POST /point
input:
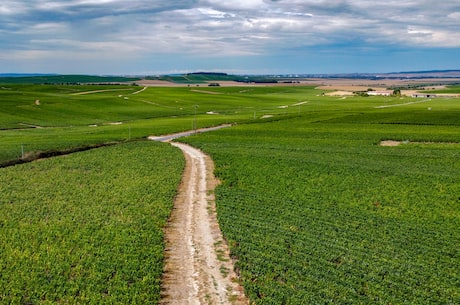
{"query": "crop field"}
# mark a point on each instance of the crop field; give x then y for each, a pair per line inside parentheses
(314, 209)
(47, 117)
(316, 212)
(448, 89)
(87, 228)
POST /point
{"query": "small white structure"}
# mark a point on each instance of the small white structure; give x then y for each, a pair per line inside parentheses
(380, 93)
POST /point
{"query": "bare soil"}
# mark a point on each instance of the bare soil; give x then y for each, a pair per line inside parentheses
(198, 268)
(390, 143)
(397, 143)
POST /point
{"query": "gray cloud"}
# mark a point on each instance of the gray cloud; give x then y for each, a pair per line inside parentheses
(45, 28)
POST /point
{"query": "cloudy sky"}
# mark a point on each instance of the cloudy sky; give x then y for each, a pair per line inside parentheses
(234, 36)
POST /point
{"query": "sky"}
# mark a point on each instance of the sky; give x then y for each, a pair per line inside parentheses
(151, 37)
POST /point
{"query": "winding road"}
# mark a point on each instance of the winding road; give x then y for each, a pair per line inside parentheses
(198, 268)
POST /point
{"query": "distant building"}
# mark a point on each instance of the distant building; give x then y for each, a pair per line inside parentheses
(424, 95)
(381, 93)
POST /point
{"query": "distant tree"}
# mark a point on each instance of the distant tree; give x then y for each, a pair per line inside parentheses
(397, 92)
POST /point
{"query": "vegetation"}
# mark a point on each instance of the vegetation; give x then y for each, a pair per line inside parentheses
(205, 77)
(65, 79)
(314, 209)
(45, 117)
(87, 228)
(317, 212)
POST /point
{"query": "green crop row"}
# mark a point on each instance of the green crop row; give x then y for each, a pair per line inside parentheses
(87, 228)
(316, 212)
(46, 117)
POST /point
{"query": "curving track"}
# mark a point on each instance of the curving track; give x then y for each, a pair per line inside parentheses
(198, 268)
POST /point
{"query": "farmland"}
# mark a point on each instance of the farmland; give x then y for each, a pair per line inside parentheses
(314, 209)
(46, 117)
(87, 228)
(317, 212)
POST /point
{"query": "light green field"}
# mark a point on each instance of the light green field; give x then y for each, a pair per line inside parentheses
(63, 118)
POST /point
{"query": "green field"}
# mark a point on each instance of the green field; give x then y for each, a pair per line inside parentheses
(63, 117)
(87, 228)
(315, 211)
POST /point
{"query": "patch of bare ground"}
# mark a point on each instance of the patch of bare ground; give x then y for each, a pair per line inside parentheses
(392, 143)
(198, 268)
(340, 93)
(348, 88)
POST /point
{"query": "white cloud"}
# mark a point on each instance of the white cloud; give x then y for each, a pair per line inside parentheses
(48, 27)
(221, 28)
(237, 4)
(212, 13)
(454, 16)
(8, 7)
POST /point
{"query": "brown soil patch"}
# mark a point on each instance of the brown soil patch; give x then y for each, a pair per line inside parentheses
(397, 143)
(348, 88)
(340, 93)
(390, 143)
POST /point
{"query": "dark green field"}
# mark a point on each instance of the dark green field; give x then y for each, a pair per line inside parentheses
(87, 228)
(317, 212)
(314, 209)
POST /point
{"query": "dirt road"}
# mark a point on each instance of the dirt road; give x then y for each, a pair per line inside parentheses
(170, 137)
(198, 269)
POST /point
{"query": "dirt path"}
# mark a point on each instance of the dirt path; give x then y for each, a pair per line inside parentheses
(137, 92)
(98, 91)
(198, 269)
(170, 137)
(405, 104)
